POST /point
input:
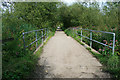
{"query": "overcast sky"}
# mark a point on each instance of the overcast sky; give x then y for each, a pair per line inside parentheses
(69, 2)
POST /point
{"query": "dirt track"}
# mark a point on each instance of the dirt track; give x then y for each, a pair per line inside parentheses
(63, 57)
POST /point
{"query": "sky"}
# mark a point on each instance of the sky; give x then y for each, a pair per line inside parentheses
(69, 2)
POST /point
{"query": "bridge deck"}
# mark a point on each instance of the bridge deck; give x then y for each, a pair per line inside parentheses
(64, 57)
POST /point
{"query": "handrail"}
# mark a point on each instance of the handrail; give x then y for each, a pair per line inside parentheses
(43, 35)
(33, 31)
(97, 31)
(113, 47)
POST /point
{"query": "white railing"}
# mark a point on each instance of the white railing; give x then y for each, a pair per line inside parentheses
(90, 38)
(36, 40)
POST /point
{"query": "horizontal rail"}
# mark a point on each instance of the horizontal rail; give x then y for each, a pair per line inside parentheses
(33, 31)
(96, 41)
(30, 44)
(98, 31)
(34, 41)
(39, 38)
(102, 43)
(44, 34)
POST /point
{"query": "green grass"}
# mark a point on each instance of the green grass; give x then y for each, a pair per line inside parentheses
(88, 48)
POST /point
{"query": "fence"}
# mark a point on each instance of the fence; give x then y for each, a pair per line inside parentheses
(90, 38)
(36, 40)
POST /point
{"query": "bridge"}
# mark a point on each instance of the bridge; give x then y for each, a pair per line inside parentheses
(64, 57)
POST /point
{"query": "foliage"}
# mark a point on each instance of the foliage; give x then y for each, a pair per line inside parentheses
(19, 17)
(18, 67)
(84, 14)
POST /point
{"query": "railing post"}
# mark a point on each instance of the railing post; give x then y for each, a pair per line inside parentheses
(42, 36)
(90, 39)
(36, 39)
(47, 32)
(113, 44)
(73, 31)
(24, 40)
(76, 32)
(81, 35)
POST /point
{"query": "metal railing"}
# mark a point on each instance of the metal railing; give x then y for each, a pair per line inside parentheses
(45, 34)
(90, 38)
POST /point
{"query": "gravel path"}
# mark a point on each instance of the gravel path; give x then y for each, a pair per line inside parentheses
(63, 57)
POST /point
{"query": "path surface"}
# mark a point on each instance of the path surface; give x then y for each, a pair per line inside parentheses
(63, 57)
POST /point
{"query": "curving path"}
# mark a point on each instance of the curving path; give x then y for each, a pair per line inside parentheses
(63, 57)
